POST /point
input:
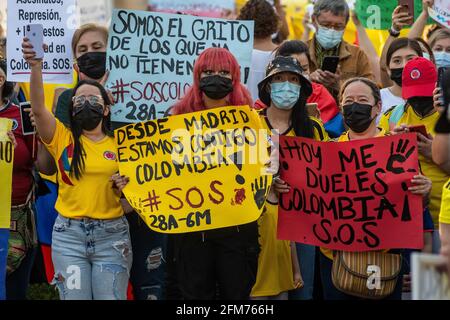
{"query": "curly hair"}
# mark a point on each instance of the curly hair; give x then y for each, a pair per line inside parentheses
(267, 21)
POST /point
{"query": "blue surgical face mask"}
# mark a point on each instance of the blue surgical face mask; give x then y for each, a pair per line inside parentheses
(284, 95)
(328, 38)
(426, 56)
(442, 58)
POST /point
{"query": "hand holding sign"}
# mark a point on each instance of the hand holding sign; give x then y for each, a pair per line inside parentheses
(425, 144)
(280, 186)
(421, 185)
(119, 181)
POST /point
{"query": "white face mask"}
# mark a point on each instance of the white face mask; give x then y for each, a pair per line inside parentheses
(329, 38)
(442, 58)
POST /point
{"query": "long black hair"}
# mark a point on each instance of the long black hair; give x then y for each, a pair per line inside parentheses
(77, 165)
(300, 120)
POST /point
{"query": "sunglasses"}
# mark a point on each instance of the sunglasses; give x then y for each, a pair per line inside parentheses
(94, 100)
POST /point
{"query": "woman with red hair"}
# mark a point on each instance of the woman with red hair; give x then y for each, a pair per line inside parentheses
(217, 83)
(222, 261)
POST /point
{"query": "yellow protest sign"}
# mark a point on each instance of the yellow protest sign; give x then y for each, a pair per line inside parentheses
(6, 169)
(197, 171)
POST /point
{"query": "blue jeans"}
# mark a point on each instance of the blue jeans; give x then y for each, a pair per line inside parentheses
(306, 258)
(436, 242)
(4, 235)
(92, 258)
(149, 260)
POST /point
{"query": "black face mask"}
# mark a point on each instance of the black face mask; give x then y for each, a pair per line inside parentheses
(93, 64)
(396, 76)
(216, 87)
(88, 116)
(421, 105)
(357, 116)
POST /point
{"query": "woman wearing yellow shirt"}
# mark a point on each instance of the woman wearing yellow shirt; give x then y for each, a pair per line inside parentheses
(361, 104)
(419, 80)
(91, 249)
(284, 90)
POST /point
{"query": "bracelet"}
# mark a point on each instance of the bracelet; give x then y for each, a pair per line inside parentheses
(394, 32)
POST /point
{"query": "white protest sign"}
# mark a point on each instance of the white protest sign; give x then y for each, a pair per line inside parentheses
(203, 8)
(440, 12)
(151, 58)
(3, 17)
(94, 11)
(428, 283)
(57, 18)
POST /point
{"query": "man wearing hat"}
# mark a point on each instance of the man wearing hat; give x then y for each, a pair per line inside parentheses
(419, 81)
(284, 90)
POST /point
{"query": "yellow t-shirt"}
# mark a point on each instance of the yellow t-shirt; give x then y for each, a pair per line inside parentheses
(428, 167)
(92, 196)
(275, 274)
(444, 216)
(319, 131)
(344, 138)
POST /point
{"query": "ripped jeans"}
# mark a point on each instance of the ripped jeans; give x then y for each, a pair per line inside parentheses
(149, 260)
(92, 258)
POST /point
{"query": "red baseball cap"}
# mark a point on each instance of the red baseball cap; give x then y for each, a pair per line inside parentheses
(419, 78)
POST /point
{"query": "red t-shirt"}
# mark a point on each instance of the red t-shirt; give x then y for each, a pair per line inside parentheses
(23, 162)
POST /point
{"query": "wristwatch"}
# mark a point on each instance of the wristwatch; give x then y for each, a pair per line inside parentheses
(394, 32)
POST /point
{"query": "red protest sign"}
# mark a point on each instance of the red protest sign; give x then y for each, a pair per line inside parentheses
(351, 196)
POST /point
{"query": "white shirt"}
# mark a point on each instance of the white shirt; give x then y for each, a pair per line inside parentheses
(260, 60)
(388, 100)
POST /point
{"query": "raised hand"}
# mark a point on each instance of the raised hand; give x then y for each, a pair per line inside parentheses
(400, 19)
(29, 54)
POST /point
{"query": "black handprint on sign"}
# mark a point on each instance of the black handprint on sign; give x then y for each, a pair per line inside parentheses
(259, 192)
(399, 156)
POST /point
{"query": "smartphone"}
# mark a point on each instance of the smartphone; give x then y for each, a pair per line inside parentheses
(444, 84)
(330, 63)
(35, 33)
(27, 126)
(420, 129)
(408, 6)
(313, 110)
